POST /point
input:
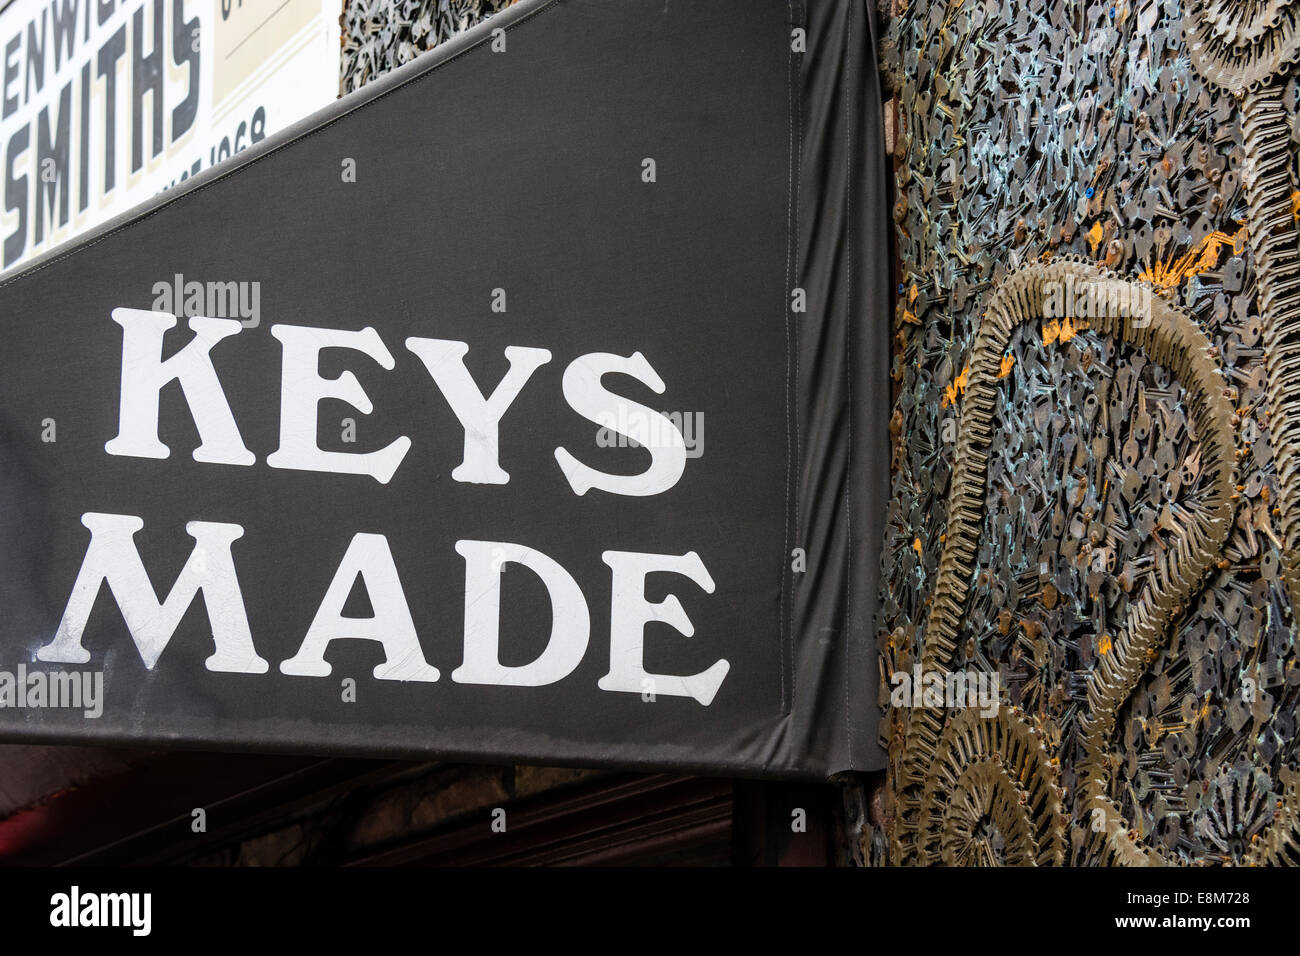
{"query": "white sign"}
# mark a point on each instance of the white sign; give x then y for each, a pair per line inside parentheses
(105, 103)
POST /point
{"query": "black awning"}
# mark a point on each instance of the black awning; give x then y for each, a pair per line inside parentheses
(529, 404)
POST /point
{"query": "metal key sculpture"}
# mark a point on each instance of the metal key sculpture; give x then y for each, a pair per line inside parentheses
(1099, 505)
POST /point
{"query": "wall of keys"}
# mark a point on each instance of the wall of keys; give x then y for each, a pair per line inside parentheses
(1096, 441)
(381, 35)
